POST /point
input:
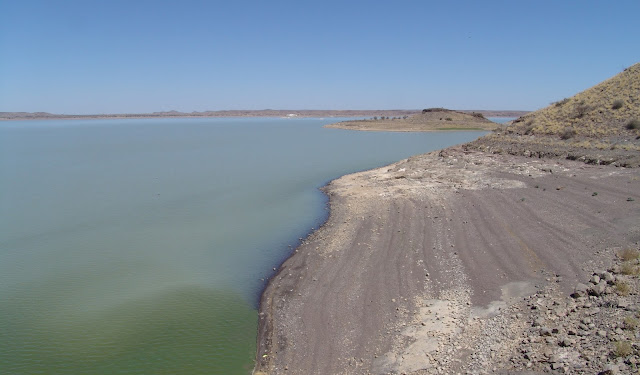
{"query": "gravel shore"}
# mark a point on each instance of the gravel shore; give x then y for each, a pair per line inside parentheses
(432, 264)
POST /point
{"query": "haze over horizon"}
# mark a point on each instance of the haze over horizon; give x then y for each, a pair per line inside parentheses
(80, 57)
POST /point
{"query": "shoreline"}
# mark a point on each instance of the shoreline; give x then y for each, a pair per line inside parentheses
(358, 295)
(384, 130)
(292, 114)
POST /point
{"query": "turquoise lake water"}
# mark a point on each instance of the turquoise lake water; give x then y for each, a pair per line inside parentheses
(142, 246)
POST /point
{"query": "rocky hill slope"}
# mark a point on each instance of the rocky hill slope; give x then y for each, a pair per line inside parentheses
(600, 125)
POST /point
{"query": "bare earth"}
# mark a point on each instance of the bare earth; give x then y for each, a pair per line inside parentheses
(422, 263)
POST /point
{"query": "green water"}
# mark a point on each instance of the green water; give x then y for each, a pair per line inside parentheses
(186, 330)
(142, 246)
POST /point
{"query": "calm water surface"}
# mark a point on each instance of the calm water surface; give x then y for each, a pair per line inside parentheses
(502, 120)
(140, 246)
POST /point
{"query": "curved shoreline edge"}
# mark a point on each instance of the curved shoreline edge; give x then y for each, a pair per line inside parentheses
(419, 261)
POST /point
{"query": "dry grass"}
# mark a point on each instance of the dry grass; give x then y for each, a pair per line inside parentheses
(631, 323)
(629, 268)
(629, 254)
(622, 288)
(622, 349)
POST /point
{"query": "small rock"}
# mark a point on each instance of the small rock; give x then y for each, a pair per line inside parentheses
(566, 342)
(599, 289)
(595, 279)
(580, 290)
(623, 304)
(610, 369)
(606, 276)
(538, 322)
(545, 331)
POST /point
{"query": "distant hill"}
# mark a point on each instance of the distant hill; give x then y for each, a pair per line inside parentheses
(246, 113)
(600, 125)
(428, 120)
(288, 113)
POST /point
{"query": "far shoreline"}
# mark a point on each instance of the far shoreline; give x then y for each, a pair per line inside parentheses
(285, 114)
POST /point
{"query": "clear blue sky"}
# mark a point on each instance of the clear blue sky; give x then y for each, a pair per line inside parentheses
(117, 56)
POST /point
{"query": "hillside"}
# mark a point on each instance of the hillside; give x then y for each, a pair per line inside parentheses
(600, 125)
(428, 120)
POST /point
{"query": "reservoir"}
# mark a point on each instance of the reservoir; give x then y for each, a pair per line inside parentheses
(142, 245)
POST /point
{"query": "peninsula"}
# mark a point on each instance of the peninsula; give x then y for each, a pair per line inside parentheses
(516, 253)
(431, 119)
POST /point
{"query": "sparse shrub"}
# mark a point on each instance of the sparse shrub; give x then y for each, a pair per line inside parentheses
(622, 288)
(581, 110)
(622, 349)
(617, 104)
(594, 194)
(630, 199)
(437, 109)
(631, 323)
(559, 103)
(528, 129)
(477, 114)
(567, 133)
(448, 119)
(628, 268)
(633, 124)
(629, 254)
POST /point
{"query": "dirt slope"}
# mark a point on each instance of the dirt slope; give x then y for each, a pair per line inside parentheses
(419, 258)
